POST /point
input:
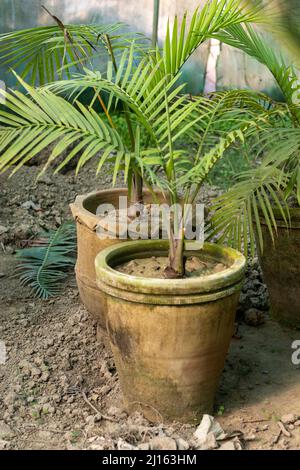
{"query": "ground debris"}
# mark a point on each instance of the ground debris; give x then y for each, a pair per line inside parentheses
(163, 443)
(290, 418)
(254, 317)
(283, 429)
(53, 354)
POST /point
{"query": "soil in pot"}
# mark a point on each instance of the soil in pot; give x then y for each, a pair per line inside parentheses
(155, 266)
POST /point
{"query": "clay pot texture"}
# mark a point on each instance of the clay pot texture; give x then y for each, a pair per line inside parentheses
(89, 245)
(281, 268)
(169, 337)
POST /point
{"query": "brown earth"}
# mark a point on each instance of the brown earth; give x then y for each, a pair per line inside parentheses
(156, 266)
(59, 388)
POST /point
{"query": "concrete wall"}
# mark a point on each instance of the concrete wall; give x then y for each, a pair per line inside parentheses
(233, 68)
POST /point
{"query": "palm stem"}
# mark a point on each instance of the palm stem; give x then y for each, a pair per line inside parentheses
(155, 23)
(176, 265)
(175, 268)
(137, 196)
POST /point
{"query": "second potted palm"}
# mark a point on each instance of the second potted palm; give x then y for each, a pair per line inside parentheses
(265, 203)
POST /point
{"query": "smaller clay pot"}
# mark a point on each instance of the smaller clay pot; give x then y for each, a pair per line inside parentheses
(169, 337)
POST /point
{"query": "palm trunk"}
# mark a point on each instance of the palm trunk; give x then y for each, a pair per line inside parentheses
(176, 264)
(137, 192)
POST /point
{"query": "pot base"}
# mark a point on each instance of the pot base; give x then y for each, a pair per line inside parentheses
(169, 358)
(93, 300)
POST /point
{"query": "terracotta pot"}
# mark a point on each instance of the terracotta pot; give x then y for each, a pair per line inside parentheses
(169, 337)
(281, 268)
(89, 245)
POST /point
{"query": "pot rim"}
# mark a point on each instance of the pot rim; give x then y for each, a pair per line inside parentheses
(89, 218)
(81, 199)
(123, 285)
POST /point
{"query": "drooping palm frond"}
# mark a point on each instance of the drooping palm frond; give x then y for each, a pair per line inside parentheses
(42, 54)
(261, 195)
(45, 264)
(281, 148)
(31, 123)
(264, 191)
(237, 214)
(38, 53)
(259, 46)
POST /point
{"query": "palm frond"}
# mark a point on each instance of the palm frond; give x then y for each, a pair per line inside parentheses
(281, 147)
(30, 123)
(278, 142)
(258, 46)
(131, 85)
(223, 119)
(45, 264)
(238, 213)
(42, 54)
(182, 40)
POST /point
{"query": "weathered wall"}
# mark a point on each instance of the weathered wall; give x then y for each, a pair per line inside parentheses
(233, 68)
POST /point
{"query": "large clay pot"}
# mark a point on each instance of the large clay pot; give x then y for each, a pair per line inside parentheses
(281, 267)
(169, 337)
(89, 245)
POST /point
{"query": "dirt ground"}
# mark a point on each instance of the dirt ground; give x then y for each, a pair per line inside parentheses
(59, 387)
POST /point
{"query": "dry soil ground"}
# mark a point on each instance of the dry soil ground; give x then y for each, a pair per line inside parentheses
(59, 387)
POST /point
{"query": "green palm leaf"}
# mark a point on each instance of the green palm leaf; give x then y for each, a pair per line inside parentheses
(43, 54)
(43, 50)
(258, 46)
(45, 264)
(181, 41)
(256, 195)
(31, 123)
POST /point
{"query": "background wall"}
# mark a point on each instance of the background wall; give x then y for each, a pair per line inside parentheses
(234, 69)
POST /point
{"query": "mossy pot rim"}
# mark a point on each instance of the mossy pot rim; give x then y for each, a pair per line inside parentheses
(196, 289)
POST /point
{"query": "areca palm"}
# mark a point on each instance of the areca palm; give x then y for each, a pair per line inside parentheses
(152, 92)
(30, 123)
(278, 145)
